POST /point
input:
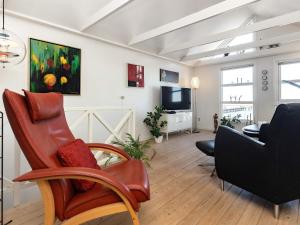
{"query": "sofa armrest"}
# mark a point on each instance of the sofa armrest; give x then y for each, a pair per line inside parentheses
(109, 149)
(83, 173)
(227, 137)
(264, 132)
(240, 157)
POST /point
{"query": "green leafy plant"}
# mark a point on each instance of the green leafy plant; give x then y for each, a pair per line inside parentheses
(135, 148)
(153, 121)
(228, 121)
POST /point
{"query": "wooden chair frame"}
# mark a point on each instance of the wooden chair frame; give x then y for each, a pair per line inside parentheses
(48, 199)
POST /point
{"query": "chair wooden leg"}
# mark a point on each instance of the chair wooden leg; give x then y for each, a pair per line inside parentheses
(48, 200)
(135, 218)
(213, 172)
(49, 217)
(206, 164)
(222, 185)
(133, 214)
(276, 211)
(94, 213)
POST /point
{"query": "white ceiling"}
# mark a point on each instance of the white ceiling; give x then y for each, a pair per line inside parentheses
(139, 16)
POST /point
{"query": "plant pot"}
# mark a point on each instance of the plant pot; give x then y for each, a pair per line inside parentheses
(159, 139)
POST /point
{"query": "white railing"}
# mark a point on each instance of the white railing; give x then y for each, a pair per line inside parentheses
(92, 113)
(93, 116)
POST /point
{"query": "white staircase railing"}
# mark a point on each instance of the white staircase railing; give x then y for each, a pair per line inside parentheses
(93, 116)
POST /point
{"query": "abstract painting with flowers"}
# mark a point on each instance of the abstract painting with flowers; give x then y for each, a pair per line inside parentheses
(135, 76)
(54, 68)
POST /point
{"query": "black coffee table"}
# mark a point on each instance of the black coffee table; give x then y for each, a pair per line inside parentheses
(251, 130)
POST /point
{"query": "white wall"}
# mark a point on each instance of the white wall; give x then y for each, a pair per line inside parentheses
(265, 102)
(103, 77)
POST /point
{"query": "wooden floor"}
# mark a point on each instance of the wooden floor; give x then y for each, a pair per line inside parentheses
(182, 193)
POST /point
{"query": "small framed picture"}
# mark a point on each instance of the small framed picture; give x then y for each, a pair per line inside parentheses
(135, 76)
(169, 76)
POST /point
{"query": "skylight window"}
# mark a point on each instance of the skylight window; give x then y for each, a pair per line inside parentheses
(247, 51)
(212, 57)
(239, 40)
(243, 39)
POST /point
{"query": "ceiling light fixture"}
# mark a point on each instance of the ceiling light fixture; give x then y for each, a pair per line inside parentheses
(12, 48)
(266, 47)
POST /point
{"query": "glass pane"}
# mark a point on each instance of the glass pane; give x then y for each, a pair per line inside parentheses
(290, 90)
(238, 93)
(245, 110)
(243, 39)
(290, 71)
(239, 75)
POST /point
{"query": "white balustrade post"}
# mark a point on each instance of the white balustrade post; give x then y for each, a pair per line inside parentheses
(129, 123)
(90, 126)
(133, 123)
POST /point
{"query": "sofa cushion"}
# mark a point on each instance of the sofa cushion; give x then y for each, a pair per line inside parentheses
(97, 196)
(137, 182)
(43, 106)
(207, 147)
(77, 154)
(132, 173)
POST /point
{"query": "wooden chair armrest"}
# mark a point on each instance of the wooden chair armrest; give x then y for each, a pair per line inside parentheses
(83, 173)
(109, 149)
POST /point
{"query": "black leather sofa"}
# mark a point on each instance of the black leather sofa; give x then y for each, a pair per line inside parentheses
(270, 167)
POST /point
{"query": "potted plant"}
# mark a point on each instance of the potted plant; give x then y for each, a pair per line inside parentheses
(135, 148)
(228, 121)
(155, 124)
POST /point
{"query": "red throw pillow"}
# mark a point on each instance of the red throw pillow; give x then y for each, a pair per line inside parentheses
(78, 154)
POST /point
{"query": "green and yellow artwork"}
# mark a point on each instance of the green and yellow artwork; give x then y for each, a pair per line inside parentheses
(54, 68)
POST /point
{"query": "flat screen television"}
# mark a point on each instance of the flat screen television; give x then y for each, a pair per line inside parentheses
(175, 98)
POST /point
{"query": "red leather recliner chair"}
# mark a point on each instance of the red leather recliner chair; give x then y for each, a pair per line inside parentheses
(118, 188)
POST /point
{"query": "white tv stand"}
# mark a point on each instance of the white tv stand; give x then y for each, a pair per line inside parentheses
(177, 122)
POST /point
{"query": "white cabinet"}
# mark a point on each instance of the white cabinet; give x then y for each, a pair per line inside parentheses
(177, 122)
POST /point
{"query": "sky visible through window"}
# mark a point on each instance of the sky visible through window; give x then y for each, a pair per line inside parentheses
(290, 81)
(243, 39)
(239, 40)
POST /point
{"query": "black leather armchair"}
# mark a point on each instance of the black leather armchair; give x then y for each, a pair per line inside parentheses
(264, 132)
(269, 168)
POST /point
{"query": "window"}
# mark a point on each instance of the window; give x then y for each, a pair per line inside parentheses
(239, 40)
(243, 39)
(237, 92)
(289, 81)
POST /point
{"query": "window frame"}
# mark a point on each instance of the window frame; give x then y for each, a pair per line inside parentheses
(253, 83)
(279, 63)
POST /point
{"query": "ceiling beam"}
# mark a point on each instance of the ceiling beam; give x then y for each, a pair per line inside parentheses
(107, 10)
(89, 36)
(248, 21)
(289, 48)
(207, 13)
(282, 20)
(282, 39)
(225, 43)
